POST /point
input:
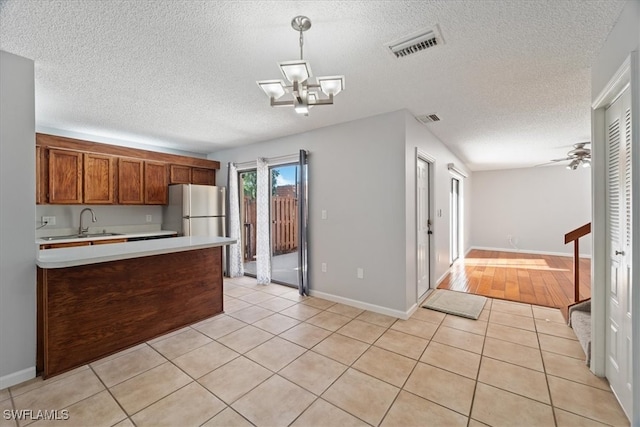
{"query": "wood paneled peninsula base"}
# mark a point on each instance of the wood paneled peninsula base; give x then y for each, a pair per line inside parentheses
(88, 311)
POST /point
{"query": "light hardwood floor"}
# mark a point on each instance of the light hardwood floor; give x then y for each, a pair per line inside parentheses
(534, 279)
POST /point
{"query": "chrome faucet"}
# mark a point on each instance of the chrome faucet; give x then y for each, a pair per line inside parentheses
(81, 229)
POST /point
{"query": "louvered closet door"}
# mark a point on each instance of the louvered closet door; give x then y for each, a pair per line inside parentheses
(619, 349)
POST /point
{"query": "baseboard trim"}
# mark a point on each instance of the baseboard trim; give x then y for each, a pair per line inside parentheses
(528, 251)
(14, 378)
(404, 315)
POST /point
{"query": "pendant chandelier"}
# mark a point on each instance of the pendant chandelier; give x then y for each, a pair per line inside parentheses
(303, 94)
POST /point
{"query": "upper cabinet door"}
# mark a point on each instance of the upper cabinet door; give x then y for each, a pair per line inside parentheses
(155, 183)
(203, 176)
(99, 173)
(65, 177)
(130, 181)
(180, 174)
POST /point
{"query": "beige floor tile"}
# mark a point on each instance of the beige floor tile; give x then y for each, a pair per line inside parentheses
(4, 394)
(141, 391)
(256, 297)
(294, 296)
(567, 419)
(220, 326)
(251, 314)
(443, 387)
(484, 316)
(38, 382)
(98, 410)
(513, 378)
(460, 339)
(235, 305)
(151, 342)
(182, 343)
(512, 320)
(572, 369)
(427, 315)
(234, 379)
(415, 327)
(474, 423)
(496, 407)
(555, 329)
(514, 335)
(511, 307)
(343, 349)
(192, 405)
(345, 310)
(129, 365)
(276, 304)
(228, 418)
(376, 319)
(276, 353)
(275, 289)
(205, 359)
(305, 335)
(318, 303)
(6, 421)
(452, 359)
(363, 331)
(385, 365)
(125, 423)
(238, 291)
(550, 314)
(562, 346)
(245, 339)
(134, 348)
(300, 311)
(323, 414)
(517, 354)
(274, 402)
(276, 323)
(587, 401)
(329, 321)
(361, 395)
(403, 344)
(478, 327)
(60, 394)
(244, 281)
(313, 372)
(411, 410)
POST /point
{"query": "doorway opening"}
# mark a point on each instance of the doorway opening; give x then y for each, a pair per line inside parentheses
(423, 225)
(454, 237)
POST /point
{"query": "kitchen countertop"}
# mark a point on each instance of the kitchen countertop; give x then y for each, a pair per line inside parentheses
(84, 255)
(41, 241)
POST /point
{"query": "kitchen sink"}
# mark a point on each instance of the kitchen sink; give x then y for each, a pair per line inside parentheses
(80, 236)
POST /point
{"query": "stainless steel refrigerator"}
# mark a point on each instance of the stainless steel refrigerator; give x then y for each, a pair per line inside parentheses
(195, 210)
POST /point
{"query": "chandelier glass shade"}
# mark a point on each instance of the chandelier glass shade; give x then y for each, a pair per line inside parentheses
(297, 90)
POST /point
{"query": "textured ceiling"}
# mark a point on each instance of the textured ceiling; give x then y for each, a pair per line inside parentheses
(511, 84)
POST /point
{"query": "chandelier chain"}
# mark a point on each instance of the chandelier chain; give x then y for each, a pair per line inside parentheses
(301, 42)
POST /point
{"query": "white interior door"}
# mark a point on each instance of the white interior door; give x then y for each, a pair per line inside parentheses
(618, 331)
(423, 226)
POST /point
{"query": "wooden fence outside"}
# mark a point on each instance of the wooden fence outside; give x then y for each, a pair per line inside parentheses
(284, 226)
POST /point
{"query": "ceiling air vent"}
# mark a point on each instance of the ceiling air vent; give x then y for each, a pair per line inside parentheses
(416, 42)
(428, 118)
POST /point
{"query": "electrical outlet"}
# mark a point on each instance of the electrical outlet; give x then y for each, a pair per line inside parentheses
(323, 214)
(48, 220)
(323, 267)
(149, 218)
(360, 273)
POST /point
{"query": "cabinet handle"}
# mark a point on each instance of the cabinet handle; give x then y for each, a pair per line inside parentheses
(619, 252)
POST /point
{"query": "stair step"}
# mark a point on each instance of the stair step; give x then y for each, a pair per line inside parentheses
(581, 323)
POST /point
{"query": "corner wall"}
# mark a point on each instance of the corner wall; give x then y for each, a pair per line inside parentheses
(17, 198)
(536, 206)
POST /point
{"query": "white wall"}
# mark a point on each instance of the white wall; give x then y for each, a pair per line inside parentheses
(17, 201)
(356, 174)
(536, 206)
(419, 136)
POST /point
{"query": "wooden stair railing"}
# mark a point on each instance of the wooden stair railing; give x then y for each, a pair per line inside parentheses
(574, 236)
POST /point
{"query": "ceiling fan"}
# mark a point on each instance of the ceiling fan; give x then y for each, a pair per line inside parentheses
(579, 156)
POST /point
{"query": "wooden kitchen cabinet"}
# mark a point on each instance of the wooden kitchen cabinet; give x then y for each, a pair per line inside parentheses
(39, 179)
(130, 181)
(179, 174)
(155, 183)
(99, 179)
(203, 176)
(65, 177)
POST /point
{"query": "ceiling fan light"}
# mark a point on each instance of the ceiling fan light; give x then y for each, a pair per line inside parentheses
(331, 85)
(273, 88)
(295, 71)
(586, 163)
(573, 165)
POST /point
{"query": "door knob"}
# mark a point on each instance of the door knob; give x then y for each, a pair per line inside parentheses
(619, 252)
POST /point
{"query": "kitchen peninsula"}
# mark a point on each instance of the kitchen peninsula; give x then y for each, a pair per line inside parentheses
(97, 300)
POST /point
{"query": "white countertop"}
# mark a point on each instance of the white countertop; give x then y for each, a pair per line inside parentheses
(42, 241)
(84, 255)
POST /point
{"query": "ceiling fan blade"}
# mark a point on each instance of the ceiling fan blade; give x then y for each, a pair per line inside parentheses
(560, 160)
(548, 163)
